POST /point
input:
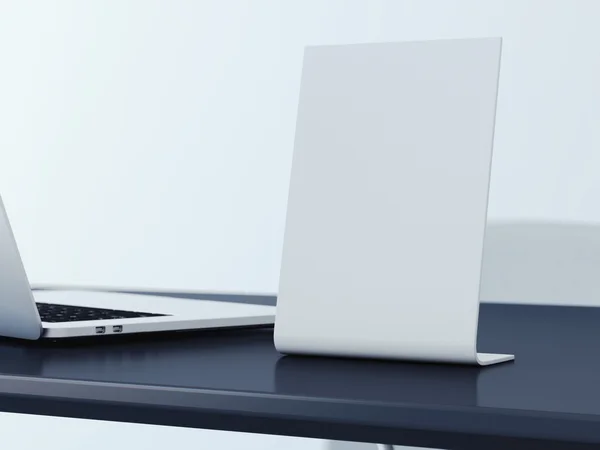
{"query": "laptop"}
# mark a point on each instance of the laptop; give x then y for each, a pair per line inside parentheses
(388, 202)
(28, 314)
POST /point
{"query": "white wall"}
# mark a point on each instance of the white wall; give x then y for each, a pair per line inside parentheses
(148, 143)
(76, 434)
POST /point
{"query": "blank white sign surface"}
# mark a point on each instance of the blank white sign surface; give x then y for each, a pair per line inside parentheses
(388, 200)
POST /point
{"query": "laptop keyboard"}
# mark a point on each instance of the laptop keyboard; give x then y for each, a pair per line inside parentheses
(61, 313)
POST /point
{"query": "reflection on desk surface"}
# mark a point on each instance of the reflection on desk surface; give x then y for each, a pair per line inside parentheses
(377, 381)
(207, 359)
(556, 369)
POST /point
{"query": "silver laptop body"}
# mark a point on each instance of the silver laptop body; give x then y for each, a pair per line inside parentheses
(52, 314)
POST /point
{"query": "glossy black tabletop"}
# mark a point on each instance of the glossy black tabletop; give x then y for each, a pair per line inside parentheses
(235, 380)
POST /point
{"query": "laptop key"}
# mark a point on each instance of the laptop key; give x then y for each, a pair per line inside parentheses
(64, 313)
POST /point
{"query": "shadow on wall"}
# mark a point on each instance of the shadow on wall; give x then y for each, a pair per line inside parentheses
(542, 262)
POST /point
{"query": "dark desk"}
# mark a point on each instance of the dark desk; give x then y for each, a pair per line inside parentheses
(235, 380)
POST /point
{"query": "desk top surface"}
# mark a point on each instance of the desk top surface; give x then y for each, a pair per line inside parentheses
(235, 380)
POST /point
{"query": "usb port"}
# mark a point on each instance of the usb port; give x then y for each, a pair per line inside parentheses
(100, 330)
(117, 328)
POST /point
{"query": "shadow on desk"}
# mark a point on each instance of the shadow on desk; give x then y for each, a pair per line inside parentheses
(212, 359)
(394, 381)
